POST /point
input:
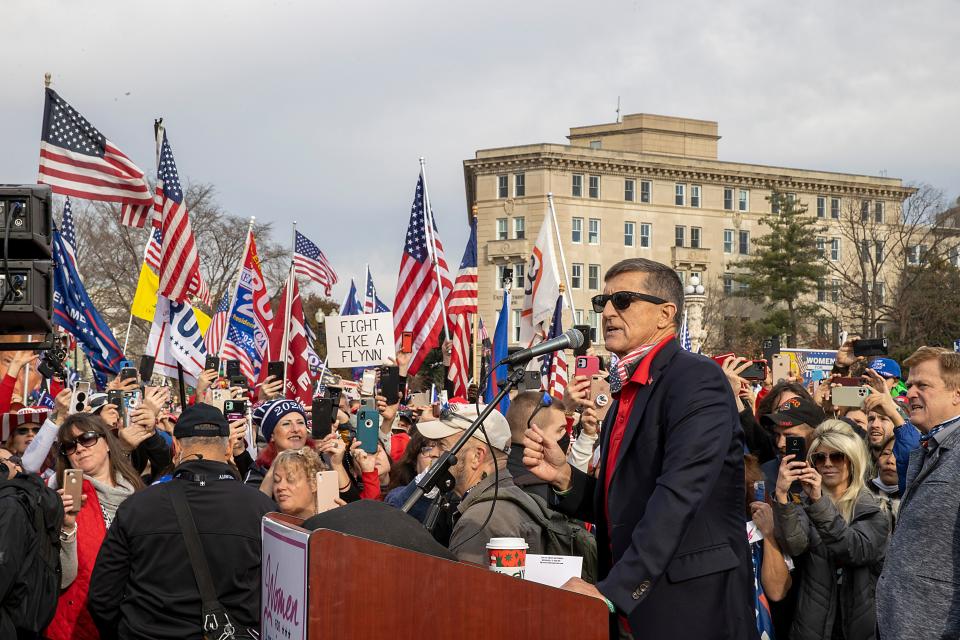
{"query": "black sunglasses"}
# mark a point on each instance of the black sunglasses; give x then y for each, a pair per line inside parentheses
(22, 431)
(622, 300)
(87, 439)
(819, 458)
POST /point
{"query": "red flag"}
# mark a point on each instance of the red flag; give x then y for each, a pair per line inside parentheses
(298, 384)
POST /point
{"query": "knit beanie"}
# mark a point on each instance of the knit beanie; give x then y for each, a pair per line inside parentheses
(273, 411)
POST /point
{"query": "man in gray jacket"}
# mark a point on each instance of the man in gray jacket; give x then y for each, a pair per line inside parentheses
(476, 472)
(917, 595)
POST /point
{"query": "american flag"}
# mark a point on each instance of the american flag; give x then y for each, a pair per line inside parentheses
(418, 304)
(463, 301)
(684, 334)
(371, 303)
(309, 262)
(218, 324)
(77, 160)
(197, 287)
(553, 367)
(179, 260)
(69, 232)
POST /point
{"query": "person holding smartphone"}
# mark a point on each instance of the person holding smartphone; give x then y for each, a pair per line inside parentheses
(836, 534)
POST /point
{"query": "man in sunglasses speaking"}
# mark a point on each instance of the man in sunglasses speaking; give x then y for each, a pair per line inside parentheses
(668, 496)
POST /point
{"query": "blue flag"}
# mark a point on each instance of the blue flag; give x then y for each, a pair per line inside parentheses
(74, 311)
(351, 305)
(500, 339)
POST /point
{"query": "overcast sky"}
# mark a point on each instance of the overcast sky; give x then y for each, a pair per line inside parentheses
(318, 111)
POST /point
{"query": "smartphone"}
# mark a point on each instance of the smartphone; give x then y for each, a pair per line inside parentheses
(406, 342)
(770, 346)
(128, 372)
(276, 369)
(73, 486)
(756, 371)
(849, 396)
(600, 392)
(759, 491)
(797, 446)
(322, 414)
(334, 394)
(873, 347)
(723, 358)
(218, 397)
(238, 381)
(146, 367)
(234, 409)
(780, 367)
(212, 363)
(115, 397)
(368, 429)
(368, 383)
(846, 382)
(131, 400)
(586, 366)
(368, 402)
(81, 391)
(233, 369)
(390, 384)
(420, 399)
(328, 490)
(582, 349)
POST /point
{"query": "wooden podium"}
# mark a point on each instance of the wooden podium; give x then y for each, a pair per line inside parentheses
(325, 584)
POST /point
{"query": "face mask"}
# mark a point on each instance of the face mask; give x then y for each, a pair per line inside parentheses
(564, 443)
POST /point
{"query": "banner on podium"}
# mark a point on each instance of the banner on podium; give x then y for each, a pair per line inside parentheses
(283, 581)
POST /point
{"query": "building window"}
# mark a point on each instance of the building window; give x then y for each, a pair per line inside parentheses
(878, 252)
(593, 232)
(821, 207)
(834, 249)
(694, 237)
(576, 233)
(519, 185)
(835, 208)
(501, 228)
(579, 316)
(683, 276)
(502, 190)
(596, 144)
(742, 287)
(878, 292)
(727, 284)
(629, 189)
(518, 271)
(594, 187)
(519, 228)
(578, 185)
(878, 212)
(679, 197)
(821, 247)
(864, 211)
(680, 235)
(593, 276)
(864, 251)
(728, 240)
(834, 290)
(821, 291)
(501, 276)
(695, 195)
(744, 243)
(594, 325)
(744, 202)
(774, 203)
(628, 231)
(644, 235)
(515, 313)
(645, 189)
(576, 276)
(728, 198)
(955, 256)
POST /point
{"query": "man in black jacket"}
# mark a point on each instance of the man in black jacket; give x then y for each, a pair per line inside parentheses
(143, 585)
(668, 496)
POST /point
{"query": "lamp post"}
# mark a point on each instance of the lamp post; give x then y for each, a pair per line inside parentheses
(694, 300)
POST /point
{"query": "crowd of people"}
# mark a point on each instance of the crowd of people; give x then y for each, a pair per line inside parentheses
(760, 507)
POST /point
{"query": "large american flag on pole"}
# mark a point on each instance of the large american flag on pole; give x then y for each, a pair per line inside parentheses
(179, 259)
(418, 304)
(218, 325)
(309, 262)
(77, 160)
(69, 232)
(463, 301)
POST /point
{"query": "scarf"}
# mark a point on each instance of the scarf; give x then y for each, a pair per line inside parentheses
(623, 370)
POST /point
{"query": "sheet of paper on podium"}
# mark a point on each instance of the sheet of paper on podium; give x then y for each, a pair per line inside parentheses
(553, 571)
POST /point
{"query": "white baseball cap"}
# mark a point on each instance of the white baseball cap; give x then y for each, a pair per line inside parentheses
(459, 420)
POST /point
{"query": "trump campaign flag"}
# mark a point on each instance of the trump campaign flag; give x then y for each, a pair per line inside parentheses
(288, 343)
(74, 311)
(540, 288)
(175, 336)
(250, 315)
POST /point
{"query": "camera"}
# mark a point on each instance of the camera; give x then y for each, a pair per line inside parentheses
(51, 361)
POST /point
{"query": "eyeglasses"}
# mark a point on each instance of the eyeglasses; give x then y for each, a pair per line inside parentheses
(87, 439)
(427, 448)
(622, 300)
(22, 431)
(820, 458)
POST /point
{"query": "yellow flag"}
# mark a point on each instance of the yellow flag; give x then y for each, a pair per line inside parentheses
(203, 320)
(145, 299)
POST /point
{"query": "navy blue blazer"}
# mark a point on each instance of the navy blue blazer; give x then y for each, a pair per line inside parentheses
(675, 558)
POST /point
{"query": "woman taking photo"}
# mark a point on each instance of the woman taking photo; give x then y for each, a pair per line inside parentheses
(86, 443)
(837, 535)
(295, 482)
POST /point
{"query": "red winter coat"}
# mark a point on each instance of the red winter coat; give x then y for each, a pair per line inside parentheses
(72, 621)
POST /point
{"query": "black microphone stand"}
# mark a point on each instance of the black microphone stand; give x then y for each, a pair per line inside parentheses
(439, 473)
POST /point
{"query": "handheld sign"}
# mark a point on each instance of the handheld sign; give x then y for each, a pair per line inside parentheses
(360, 341)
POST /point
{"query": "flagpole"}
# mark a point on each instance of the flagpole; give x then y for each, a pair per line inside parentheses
(286, 314)
(428, 223)
(475, 356)
(236, 283)
(366, 291)
(563, 259)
